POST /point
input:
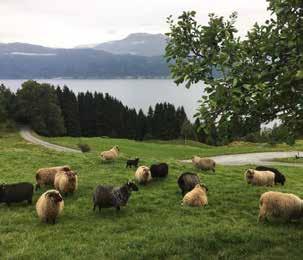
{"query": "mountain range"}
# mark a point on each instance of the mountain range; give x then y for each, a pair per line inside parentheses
(142, 44)
(138, 55)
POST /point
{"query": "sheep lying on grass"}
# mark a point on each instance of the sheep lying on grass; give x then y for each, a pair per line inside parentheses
(204, 164)
(143, 175)
(16, 192)
(187, 181)
(279, 177)
(197, 197)
(111, 154)
(108, 196)
(49, 206)
(260, 178)
(159, 170)
(286, 206)
(66, 182)
(131, 163)
(46, 176)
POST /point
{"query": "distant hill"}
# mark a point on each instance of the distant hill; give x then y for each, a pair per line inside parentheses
(20, 60)
(142, 44)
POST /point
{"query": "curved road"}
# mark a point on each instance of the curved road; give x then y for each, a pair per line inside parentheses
(264, 158)
(26, 134)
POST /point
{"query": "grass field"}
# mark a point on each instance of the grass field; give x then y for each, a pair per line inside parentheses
(290, 160)
(154, 225)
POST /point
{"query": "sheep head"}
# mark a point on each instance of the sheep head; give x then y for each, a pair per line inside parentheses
(55, 196)
(132, 186)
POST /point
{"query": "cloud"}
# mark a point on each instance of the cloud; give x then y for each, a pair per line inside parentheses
(68, 23)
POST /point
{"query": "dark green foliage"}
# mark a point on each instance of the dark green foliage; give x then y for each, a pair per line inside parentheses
(261, 76)
(70, 111)
(84, 148)
(38, 105)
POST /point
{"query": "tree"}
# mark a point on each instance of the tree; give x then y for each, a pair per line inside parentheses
(38, 105)
(261, 77)
(187, 130)
(70, 111)
(7, 103)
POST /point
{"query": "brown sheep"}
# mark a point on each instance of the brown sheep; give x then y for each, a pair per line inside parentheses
(110, 155)
(204, 164)
(197, 197)
(46, 176)
(275, 204)
(66, 182)
(260, 178)
(143, 175)
(49, 206)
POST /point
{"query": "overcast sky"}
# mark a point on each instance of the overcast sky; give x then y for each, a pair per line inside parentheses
(67, 23)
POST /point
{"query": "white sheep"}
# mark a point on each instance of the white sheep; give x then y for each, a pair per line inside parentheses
(111, 154)
(49, 206)
(259, 178)
(197, 197)
(143, 175)
(66, 182)
(46, 176)
(275, 204)
(204, 164)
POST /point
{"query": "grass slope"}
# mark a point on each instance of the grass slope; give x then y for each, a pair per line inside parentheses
(153, 225)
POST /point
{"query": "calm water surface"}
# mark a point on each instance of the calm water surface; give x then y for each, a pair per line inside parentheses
(135, 93)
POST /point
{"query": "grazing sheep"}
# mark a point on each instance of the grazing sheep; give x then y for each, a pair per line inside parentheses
(131, 163)
(110, 155)
(16, 192)
(159, 170)
(279, 177)
(143, 175)
(66, 182)
(49, 206)
(108, 196)
(260, 178)
(187, 181)
(46, 176)
(197, 197)
(275, 204)
(204, 164)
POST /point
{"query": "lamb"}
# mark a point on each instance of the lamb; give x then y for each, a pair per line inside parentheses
(159, 170)
(46, 176)
(196, 197)
(131, 163)
(260, 178)
(111, 154)
(204, 164)
(66, 182)
(143, 175)
(16, 192)
(275, 204)
(279, 177)
(49, 206)
(108, 196)
(187, 181)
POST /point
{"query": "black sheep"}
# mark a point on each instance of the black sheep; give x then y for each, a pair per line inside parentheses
(187, 181)
(16, 192)
(106, 196)
(131, 163)
(159, 170)
(279, 177)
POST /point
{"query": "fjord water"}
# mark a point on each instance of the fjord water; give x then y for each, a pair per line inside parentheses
(135, 93)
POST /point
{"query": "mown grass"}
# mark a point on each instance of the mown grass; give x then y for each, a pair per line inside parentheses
(289, 160)
(154, 225)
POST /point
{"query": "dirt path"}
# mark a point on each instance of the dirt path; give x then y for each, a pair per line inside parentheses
(26, 134)
(265, 158)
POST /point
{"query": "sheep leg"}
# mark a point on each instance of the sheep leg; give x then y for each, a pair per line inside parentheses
(94, 207)
(37, 186)
(118, 208)
(99, 208)
(8, 204)
(30, 201)
(54, 221)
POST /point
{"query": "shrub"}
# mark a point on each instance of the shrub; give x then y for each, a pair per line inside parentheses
(84, 148)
